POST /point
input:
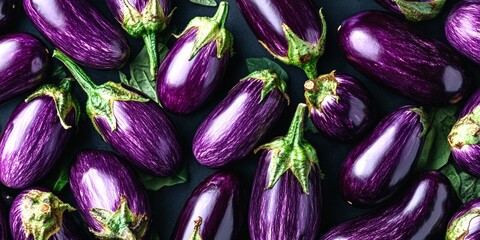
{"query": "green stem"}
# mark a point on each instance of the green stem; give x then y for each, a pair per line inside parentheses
(310, 69)
(82, 78)
(294, 135)
(66, 84)
(150, 40)
(221, 14)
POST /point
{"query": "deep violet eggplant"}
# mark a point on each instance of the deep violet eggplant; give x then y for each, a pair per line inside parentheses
(414, 10)
(214, 210)
(465, 223)
(339, 106)
(196, 63)
(79, 30)
(7, 12)
(294, 40)
(422, 213)
(134, 125)
(430, 72)
(235, 126)
(286, 200)
(36, 134)
(381, 164)
(109, 196)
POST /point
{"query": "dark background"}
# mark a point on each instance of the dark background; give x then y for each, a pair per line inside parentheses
(168, 202)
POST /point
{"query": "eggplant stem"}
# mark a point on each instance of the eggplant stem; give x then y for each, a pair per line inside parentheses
(221, 14)
(82, 78)
(295, 132)
(150, 40)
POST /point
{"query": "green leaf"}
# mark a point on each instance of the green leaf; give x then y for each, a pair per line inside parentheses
(59, 178)
(257, 64)
(58, 74)
(208, 3)
(156, 183)
(466, 186)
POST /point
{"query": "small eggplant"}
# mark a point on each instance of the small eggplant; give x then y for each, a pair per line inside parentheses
(235, 126)
(465, 223)
(339, 106)
(294, 40)
(429, 72)
(287, 204)
(213, 211)
(36, 134)
(414, 10)
(422, 213)
(79, 30)
(131, 123)
(7, 11)
(196, 63)
(109, 196)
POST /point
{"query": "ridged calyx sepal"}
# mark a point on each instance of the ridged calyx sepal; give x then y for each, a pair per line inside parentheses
(271, 81)
(423, 119)
(420, 10)
(466, 131)
(196, 229)
(462, 225)
(317, 89)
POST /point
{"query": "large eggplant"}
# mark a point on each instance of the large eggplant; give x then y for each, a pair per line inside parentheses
(109, 196)
(465, 223)
(36, 134)
(79, 30)
(294, 40)
(235, 126)
(7, 11)
(131, 123)
(381, 163)
(196, 63)
(286, 199)
(414, 10)
(214, 210)
(422, 213)
(395, 54)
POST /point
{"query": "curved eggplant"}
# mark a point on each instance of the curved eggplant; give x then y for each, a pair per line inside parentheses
(414, 10)
(465, 223)
(79, 30)
(196, 63)
(422, 213)
(7, 11)
(109, 196)
(213, 210)
(429, 72)
(235, 126)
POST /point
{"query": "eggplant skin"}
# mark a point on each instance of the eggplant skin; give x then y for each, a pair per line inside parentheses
(430, 72)
(7, 12)
(422, 213)
(465, 222)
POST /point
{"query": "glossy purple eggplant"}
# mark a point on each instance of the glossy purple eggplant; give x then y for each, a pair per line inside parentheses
(79, 30)
(286, 199)
(135, 126)
(196, 63)
(465, 223)
(414, 10)
(422, 213)
(236, 125)
(7, 11)
(294, 40)
(430, 72)
(214, 210)
(109, 196)
(24, 64)
(339, 106)
(36, 134)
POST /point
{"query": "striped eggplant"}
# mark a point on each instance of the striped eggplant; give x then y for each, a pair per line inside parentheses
(422, 213)
(380, 165)
(109, 196)
(339, 106)
(79, 30)
(235, 126)
(36, 134)
(294, 40)
(430, 72)
(7, 12)
(196, 63)
(414, 10)
(214, 210)
(465, 223)
(24, 64)
(131, 123)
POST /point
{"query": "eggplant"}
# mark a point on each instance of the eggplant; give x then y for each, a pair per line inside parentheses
(24, 64)
(237, 123)
(294, 40)
(36, 134)
(109, 196)
(79, 30)
(414, 10)
(465, 222)
(214, 210)
(339, 106)
(7, 12)
(429, 72)
(422, 213)
(134, 125)
(196, 63)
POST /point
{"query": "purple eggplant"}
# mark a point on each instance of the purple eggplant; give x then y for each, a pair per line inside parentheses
(395, 54)
(213, 211)
(235, 126)
(465, 223)
(339, 106)
(7, 11)
(414, 10)
(36, 134)
(79, 30)
(131, 123)
(196, 63)
(109, 196)
(422, 213)
(294, 40)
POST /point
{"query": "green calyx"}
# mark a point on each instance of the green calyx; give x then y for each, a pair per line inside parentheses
(211, 29)
(271, 81)
(459, 229)
(317, 89)
(419, 11)
(466, 131)
(121, 224)
(423, 119)
(196, 229)
(42, 214)
(291, 152)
